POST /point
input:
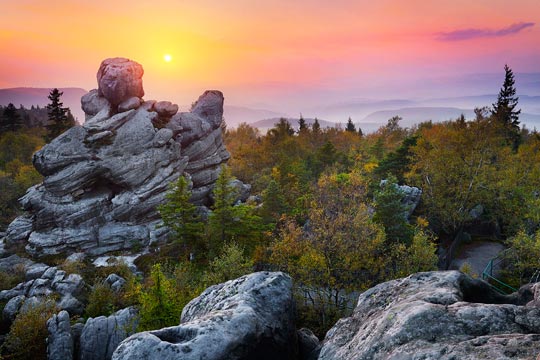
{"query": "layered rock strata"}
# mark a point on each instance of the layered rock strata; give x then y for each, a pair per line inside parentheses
(104, 179)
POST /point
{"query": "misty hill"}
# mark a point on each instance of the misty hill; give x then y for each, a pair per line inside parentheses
(415, 115)
(38, 97)
(235, 115)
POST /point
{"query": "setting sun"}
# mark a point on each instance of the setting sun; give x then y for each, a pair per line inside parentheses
(167, 57)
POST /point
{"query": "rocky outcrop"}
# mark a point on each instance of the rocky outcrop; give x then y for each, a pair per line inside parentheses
(247, 318)
(104, 179)
(59, 341)
(41, 282)
(411, 196)
(436, 315)
(101, 335)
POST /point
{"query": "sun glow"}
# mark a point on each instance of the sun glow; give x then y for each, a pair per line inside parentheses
(167, 58)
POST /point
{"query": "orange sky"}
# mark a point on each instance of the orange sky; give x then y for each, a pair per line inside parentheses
(256, 51)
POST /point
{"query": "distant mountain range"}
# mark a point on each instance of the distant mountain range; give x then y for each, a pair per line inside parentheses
(368, 114)
(38, 97)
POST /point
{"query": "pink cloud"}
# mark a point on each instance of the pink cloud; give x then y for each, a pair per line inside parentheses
(467, 34)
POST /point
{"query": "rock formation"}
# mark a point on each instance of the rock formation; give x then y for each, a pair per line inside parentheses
(103, 180)
(95, 340)
(247, 318)
(42, 281)
(436, 315)
(60, 341)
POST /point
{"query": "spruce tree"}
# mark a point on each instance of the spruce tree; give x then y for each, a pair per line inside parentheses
(60, 118)
(504, 110)
(11, 120)
(302, 125)
(180, 215)
(316, 126)
(350, 126)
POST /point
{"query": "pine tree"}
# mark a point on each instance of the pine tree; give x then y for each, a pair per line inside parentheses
(11, 120)
(60, 118)
(391, 213)
(350, 126)
(316, 126)
(274, 203)
(222, 217)
(360, 132)
(504, 110)
(229, 222)
(302, 125)
(180, 215)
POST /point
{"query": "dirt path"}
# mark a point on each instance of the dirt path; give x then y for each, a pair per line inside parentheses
(477, 255)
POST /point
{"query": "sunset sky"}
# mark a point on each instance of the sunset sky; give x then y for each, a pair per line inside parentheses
(262, 52)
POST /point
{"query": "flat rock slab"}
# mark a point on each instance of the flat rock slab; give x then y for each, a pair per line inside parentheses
(247, 318)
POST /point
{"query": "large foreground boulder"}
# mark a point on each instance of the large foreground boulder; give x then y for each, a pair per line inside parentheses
(104, 179)
(247, 318)
(436, 315)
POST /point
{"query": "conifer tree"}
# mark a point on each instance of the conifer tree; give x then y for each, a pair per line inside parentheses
(11, 120)
(302, 125)
(316, 126)
(180, 215)
(60, 118)
(229, 222)
(504, 110)
(350, 126)
(274, 203)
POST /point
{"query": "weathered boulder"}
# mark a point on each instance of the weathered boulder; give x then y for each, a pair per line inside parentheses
(104, 179)
(68, 289)
(411, 197)
(309, 345)
(436, 315)
(59, 342)
(120, 79)
(92, 104)
(101, 335)
(247, 318)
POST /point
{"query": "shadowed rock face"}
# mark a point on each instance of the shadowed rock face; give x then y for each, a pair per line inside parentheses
(249, 318)
(104, 179)
(436, 315)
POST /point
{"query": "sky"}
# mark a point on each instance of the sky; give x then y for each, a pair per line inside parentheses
(272, 53)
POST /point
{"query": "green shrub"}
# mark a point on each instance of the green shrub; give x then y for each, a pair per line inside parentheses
(27, 338)
(101, 300)
(9, 279)
(160, 305)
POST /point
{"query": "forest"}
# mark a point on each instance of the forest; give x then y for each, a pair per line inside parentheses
(325, 208)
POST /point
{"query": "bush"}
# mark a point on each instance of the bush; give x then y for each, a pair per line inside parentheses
(160, 305)
(9, 279)
(101, 300)
(27, 338)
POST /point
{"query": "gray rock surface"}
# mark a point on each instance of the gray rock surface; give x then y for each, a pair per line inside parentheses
(68, 289)
(120, 79)
(59, 342)
(104, 179)
(309, 345)
(436, 315)
(247, 318)
(92, 104)
(129, 104)
(165, 108)
(101, 335)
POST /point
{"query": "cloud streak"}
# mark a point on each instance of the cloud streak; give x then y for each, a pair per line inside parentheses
(468, 34)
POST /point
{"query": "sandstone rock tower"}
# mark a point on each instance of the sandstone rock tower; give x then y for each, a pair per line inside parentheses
(103, 179)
